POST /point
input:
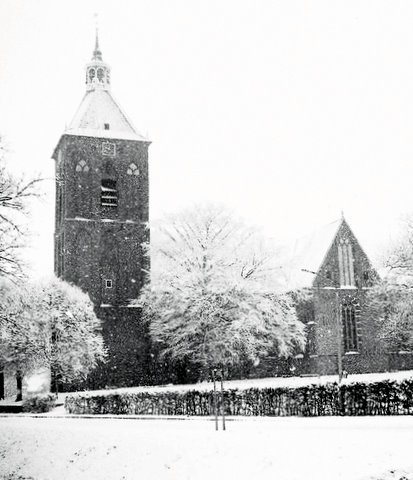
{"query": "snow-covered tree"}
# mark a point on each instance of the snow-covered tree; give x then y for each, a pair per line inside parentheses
(398, 259)
(390, 304)
(15, 194)
(52, 324)
(212, 300)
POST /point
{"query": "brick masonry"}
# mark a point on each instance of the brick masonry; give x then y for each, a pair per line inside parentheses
(328, 297)
(95, 244)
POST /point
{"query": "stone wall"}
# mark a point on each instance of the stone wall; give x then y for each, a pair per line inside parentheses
(127, 341)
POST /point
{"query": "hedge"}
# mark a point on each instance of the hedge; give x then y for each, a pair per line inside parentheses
(379, 398)
(39, 403)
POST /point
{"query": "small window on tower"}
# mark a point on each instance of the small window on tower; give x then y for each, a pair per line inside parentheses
(108, 194)
(108, 283)
(366, 276)
(109, 149)
(107, 126)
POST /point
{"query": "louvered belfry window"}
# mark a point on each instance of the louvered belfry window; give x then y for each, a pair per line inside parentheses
(109, 193)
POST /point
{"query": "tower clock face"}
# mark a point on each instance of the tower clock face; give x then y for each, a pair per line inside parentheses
(108, 148)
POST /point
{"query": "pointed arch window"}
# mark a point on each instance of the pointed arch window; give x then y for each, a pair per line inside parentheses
(82, 166)
(346, 263)
(349, 321)
(133, 170)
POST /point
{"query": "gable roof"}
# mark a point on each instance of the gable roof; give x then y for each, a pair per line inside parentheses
(307, 255)
(98, 108)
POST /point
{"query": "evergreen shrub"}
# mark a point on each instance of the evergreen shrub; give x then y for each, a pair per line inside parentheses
(39, 403)
(379, 398)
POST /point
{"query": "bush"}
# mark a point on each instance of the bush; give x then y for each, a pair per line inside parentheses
(378, 398)
(39, 403)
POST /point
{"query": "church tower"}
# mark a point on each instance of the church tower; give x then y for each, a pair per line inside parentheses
(101, 224)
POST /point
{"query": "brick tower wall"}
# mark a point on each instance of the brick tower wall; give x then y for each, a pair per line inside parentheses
(96, 243)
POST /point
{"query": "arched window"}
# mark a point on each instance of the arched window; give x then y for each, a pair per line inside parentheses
(346, 263)
(133, 170)
(349, 321)
(82, 166)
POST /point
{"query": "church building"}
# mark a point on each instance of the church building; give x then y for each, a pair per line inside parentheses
(101, 224)
(332, 265)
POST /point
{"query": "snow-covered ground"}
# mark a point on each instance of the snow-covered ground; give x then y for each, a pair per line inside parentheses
(356, 448)
(266, 382)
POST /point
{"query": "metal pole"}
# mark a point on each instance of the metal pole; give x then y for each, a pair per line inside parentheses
(215, 399)
(338, 318)
(222, 400)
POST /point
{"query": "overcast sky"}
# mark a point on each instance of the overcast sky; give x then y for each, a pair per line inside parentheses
(287, 111)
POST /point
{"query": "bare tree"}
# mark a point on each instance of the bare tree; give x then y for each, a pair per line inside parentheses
(15, 194)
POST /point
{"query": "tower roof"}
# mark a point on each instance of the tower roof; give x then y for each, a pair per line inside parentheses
(99, 115)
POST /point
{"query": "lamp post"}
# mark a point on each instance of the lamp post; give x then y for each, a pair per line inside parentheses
(222, 400)
(338, 326)
(214, 371)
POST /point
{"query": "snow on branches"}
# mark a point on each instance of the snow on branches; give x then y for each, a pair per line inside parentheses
(209, 300)
(14, 196)
(50, 324)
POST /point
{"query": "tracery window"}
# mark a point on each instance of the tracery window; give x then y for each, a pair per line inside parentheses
(133, 170)
(346, 263)
(82, 166)
(349, 322)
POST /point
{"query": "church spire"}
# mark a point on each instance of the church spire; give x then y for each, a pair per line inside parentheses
(97, 54)
(97, 71)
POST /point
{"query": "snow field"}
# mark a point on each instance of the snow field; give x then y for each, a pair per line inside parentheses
(357, 448)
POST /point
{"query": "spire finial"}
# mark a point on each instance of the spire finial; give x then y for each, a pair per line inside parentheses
(97, 54)
(342, 214)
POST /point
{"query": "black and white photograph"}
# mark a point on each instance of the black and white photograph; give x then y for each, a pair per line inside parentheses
(206, 240)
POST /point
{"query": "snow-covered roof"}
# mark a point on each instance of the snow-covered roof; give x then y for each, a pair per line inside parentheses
(307, 254)
(98, 108)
